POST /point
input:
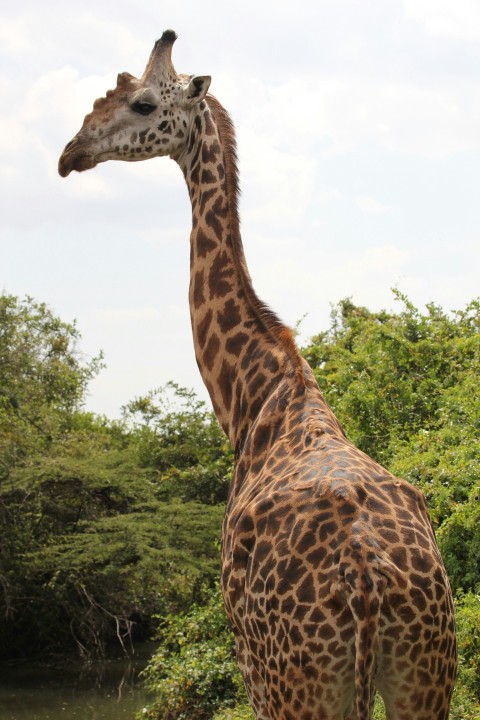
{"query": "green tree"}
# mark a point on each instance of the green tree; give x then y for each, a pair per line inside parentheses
(42, 384)
(42, 378)
(90, 550)
(182, 445)
(91, 544)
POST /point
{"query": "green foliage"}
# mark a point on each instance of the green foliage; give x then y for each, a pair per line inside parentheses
(193, 674)
(91, 544)
(468, 636)
(239, 712)
(392, 375)
(182, 445)
(378, 709)
(466, 696)
(108, 579)
(459, 541)
(88, 549)
(42, 379)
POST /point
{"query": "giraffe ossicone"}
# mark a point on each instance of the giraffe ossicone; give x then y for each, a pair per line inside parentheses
(331, 575)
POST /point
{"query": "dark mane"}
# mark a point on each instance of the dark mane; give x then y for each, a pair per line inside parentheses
(277, 330)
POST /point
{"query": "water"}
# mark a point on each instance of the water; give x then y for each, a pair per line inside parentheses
(103, 691)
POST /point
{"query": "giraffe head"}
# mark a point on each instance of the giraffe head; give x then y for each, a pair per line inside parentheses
(140, 118)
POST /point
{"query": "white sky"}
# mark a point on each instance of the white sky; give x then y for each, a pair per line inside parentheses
(358, 126)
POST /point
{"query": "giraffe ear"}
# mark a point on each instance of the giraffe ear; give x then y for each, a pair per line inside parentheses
(196, 89)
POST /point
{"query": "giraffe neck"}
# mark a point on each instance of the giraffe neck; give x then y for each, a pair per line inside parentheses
(243, 351)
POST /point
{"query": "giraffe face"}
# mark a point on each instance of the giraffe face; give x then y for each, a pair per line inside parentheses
(139, 119)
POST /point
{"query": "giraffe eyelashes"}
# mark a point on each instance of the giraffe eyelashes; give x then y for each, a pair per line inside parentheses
(143, 108)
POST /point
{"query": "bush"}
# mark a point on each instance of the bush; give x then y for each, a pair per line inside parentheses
(181, 445)
(239, 712)
(468, 636)
(194, 673)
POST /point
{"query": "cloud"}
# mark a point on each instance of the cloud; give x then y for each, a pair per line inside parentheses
(325, 197)
(371, 205)
(454, 19)
(380, 258)
(13, 136)
(128, 315)
(339, 114)
(283, 181)
(14, 35)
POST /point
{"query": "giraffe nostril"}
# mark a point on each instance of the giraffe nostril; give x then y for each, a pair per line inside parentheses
(68, 145)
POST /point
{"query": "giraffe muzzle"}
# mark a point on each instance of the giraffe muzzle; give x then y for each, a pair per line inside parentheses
(75, 156)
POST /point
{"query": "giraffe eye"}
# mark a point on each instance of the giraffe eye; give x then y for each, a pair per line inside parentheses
(143, 108)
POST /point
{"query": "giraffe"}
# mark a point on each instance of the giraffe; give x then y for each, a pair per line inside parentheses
(331, 575)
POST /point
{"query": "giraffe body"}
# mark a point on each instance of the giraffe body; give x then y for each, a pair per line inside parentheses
(331, 575)
(352, 596)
